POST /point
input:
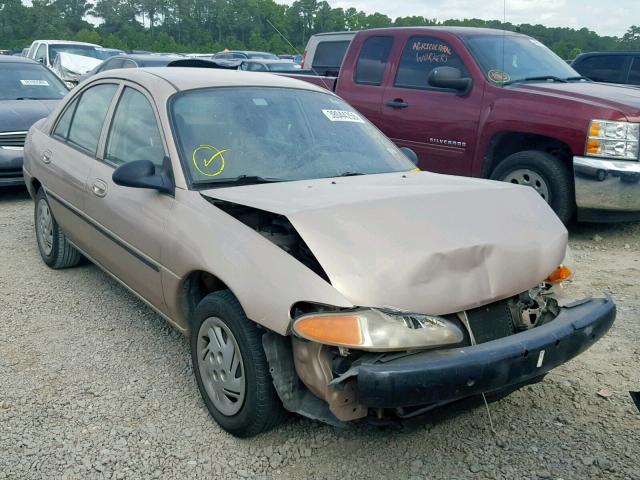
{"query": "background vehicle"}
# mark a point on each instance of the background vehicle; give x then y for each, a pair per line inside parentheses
(297, 59)
(211, 195)
(28, 92)
(609, 67)
(104, 53)
(269, 65)
(523, 117)
(324, 52)
(132, 60)
(45, 51)
(244, 54)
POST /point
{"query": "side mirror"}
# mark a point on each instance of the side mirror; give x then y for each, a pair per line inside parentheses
(142, 174)
(41, 60)
(450, 77)
(410, 154)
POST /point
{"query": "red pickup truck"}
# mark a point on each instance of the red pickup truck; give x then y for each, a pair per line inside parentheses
(500, 105)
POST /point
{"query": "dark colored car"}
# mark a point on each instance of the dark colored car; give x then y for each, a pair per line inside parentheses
(609, 67)
(133, 60)
(28, 92)
(500, 105)
(245, 54)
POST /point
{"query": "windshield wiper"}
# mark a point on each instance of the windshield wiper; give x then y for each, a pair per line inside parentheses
(35, 98)
(578, 77)
(243, 180)
(539, 78)
(350, 174)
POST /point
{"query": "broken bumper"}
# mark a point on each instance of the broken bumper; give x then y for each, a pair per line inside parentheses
(447, 375)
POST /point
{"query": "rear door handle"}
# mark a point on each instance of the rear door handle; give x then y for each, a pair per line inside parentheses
(99, 188)
(397, 103)
(46, 156)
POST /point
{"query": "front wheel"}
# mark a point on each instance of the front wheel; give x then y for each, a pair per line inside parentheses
(548, 175)
(231, 368)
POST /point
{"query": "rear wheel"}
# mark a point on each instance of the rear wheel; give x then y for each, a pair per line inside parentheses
(55, 249)
(544, 173)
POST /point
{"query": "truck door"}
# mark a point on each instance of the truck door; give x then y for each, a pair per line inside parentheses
(440, 125)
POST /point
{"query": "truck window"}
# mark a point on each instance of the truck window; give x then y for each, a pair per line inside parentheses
(372, 60)
(634, 74)
(603, 68)
(420, 56)
(329, 55)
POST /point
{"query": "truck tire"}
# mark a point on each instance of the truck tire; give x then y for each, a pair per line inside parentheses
(231, 368)
(550, 177)
(54, 248)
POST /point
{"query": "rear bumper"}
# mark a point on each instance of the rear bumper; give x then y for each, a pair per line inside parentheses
(607, 190)
(447, 375)
(11, 166)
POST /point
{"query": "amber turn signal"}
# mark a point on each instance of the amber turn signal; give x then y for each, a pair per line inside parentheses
(560, 274)
(331, 329)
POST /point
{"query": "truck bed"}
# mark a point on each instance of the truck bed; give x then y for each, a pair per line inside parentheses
(325, 82)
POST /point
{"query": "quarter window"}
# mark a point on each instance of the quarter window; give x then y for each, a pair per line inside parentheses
(89, 116)
(62, 129)
(420, 56)
(372, 60)
(134, 131)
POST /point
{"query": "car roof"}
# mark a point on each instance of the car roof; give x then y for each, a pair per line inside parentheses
(190, 78)
(148, 58)
(458, 31)
(265, 60)
(346, 32)
(16, 59)
(65, 42)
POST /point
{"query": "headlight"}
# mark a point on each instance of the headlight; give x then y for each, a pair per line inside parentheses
(613, 139)
(378, 330)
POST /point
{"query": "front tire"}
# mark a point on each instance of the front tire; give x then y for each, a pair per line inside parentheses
(548, 175)
(54, 248)
(231, 368)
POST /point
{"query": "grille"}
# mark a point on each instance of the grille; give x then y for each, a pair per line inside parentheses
(491, 322)
(12, 139)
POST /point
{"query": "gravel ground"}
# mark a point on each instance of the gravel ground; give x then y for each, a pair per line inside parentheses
(93, 384)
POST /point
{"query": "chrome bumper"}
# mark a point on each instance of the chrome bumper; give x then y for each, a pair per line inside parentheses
(607, 186)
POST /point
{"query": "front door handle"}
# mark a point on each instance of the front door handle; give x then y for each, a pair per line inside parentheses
(99, 188)
(397, 103)
(46, 156)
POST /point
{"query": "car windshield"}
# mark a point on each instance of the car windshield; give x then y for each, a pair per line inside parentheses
(514, 58)
(85, 50)
(104, 53)
(20, 81)
(262, 55)
(276, 134)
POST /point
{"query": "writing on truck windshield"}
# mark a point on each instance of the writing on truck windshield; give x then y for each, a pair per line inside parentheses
(512, 58)
(277, 134)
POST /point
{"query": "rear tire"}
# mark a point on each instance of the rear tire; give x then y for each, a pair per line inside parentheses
(548, 175)
(54, 248)
(237, 390)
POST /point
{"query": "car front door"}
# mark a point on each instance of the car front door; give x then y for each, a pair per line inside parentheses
(132, 219)
(438, 124)
(68, 154)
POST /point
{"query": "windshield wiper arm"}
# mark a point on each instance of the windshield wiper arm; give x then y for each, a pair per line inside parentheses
(578, 77)
(351, 174)
(244, 180)
(540, 78)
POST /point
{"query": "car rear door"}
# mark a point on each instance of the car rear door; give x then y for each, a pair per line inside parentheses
(67, 156)
(438, 124)
(132, 220)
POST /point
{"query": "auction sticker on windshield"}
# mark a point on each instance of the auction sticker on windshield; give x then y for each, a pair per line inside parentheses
(498, 76)
(342, 116)
(209, 160)
(37, 83)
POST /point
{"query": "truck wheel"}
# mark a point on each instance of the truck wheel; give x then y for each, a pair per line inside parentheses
(55, 249)
(231, 369)
(546, 174)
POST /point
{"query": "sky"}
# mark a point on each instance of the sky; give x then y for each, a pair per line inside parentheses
(605, 17)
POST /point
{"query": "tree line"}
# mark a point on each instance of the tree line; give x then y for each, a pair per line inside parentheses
(211, 25)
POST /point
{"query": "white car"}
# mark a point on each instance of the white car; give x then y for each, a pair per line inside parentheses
(78, 57)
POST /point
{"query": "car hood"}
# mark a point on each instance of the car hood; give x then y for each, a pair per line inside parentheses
(74, 64)
(623, 98)
(418, 241)
(19, 115)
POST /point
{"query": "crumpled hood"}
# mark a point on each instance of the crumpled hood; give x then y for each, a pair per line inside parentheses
(19, 115)
(623, 98)
(78, 64)
(418, 241)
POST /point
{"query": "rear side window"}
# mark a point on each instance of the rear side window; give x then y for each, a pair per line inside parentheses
(89, 116)
(603, 68)
(373, 59)
(330, 54)
(420, 56)
(634, 74)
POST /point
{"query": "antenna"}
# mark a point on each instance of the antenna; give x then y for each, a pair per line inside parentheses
(298, 52)
(504, 26)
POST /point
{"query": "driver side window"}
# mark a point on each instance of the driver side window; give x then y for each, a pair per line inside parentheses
(134, 133)
(41, 53)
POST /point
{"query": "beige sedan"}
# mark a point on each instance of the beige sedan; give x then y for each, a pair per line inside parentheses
(313, 265)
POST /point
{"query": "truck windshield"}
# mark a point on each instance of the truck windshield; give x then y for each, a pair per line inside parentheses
(245, 134)
(516, 58)
(23, 81)
(84, 50)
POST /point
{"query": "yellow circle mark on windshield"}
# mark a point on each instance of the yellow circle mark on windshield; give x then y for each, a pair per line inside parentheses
(205, 159)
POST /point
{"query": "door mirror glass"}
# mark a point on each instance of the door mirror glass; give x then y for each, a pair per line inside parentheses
(141, 174)
(410, 154)
(450, 77)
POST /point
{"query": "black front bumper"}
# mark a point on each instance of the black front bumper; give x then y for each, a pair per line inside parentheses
(11, 167)
(441, 376)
